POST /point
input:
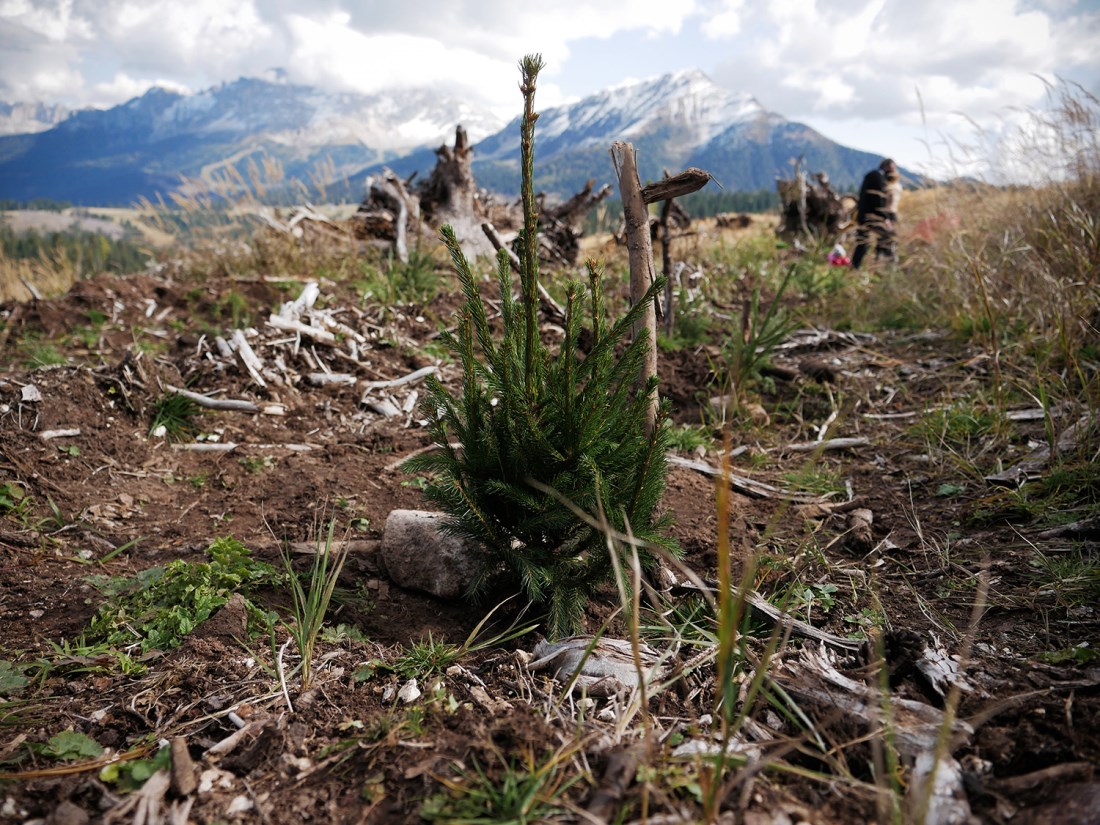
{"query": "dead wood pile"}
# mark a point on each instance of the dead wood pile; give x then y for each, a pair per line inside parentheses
(732, 220)
(812, 207)
(304, 346)
(393, 208)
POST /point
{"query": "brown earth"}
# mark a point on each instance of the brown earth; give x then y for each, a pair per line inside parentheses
(349, 752)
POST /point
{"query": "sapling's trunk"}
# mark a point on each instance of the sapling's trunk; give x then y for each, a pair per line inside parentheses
(530, 67)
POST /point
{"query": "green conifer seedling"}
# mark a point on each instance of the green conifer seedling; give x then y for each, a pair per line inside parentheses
(529, 420)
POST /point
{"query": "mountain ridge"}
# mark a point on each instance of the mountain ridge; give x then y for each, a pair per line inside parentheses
(147, 144)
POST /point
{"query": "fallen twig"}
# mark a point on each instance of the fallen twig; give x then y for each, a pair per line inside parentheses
(831, 444)
(321, 336)
(748, 486)
(423, 372)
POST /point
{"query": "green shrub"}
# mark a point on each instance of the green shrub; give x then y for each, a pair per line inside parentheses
(545, 437)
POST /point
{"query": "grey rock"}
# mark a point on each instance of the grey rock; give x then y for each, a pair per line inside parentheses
(67, 813)
(416, 555)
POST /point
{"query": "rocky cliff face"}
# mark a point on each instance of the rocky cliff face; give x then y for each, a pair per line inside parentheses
(30, 118)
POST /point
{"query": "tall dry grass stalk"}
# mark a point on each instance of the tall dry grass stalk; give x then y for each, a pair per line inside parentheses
(222, 224)
(24, 278)
(1013, 266)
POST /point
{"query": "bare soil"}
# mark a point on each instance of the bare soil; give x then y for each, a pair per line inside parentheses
(348, 752)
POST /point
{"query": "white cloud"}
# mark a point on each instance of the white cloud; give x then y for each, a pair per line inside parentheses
(901, 62)
(172, 37)
(726, 21)
(353, 45)
(55, 21)
(329, 52)
(124, 87)
(865, 63)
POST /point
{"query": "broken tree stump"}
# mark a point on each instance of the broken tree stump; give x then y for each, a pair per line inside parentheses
(640, 247)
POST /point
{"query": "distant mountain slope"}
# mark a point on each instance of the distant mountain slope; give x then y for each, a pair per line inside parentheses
(143, 147)
(675, 121)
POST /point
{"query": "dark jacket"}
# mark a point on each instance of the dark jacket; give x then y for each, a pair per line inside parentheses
(872, 196)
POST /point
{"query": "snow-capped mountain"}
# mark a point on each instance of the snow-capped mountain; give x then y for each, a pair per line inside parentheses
(29, 118)
(143, 146)
(674, 121)
(303, 116)
(685, 103)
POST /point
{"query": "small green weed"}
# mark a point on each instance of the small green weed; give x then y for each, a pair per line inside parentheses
(232, 307)
(129, 775)
(431, 656)
(806, 597)
(687, 437)
(437, 352)
(79, 656)
(256, 464)
(343, 633)
(162, 607)
(866, 620)
(1069, 491)
(814, 277)
(1080, 654)
(750, 348)
(13, 500)
(40, 354)
(819, 479)
(964, 429)
(516, 792)
(174, 417)
(150, 346)
(1073, 578)
(88, 336)
(393, 283)
(69, 746)
(12, 680)
(427, 657)
(692, 327)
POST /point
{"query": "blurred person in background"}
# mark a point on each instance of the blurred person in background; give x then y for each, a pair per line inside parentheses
(877, 213)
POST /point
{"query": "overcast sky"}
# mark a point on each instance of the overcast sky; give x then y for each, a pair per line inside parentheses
(893, 77)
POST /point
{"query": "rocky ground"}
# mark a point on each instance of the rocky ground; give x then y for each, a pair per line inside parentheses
(91, 496)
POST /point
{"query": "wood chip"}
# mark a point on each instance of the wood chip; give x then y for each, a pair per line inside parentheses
(321, 336)
(248, 357)
(184, 781)
(47, 435)
(325, 379)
